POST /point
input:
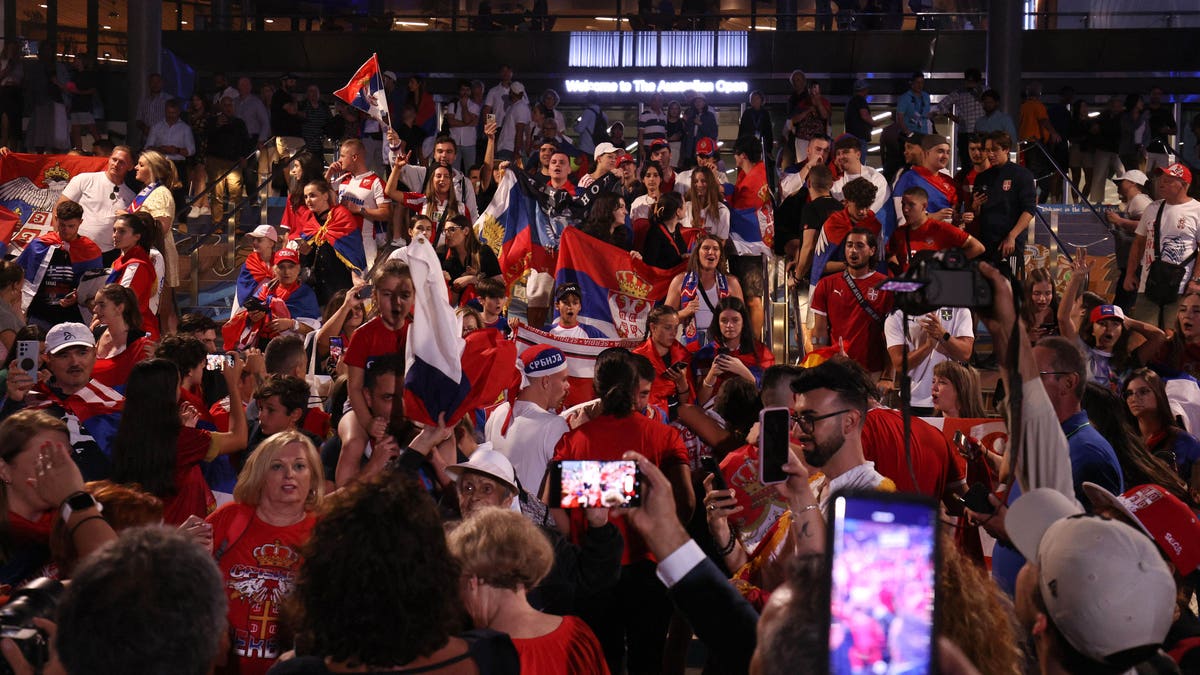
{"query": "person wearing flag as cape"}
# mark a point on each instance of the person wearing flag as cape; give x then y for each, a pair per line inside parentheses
(280, 306)
(54, 264)
(330, 243)
(257, 268)
(930, 176)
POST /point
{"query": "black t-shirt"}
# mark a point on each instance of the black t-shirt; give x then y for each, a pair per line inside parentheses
(57, 283)
(818, 211)
(492, 652)
(662, 249)
(84, 80)
(488, 265)
(855, 125)
(788, 220)
(1010, 191)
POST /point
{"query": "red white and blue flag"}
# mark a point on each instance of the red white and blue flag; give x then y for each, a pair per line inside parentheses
(35, 260)
(518, 230)
(438, 380)
(365, 91)
(618, 291)
(751, 215)
(30, 186)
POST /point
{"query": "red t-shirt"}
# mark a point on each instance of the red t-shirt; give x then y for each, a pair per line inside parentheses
(192, 496)
(662, 387)
(316, 422)
(608, 438)
(570, 649)
(933, 235)
(196, 398)
(114, 372)
(373, 339)
(259, 569)
(863, 335)
(935, 463)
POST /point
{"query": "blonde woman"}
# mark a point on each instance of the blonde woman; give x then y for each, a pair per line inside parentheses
(160, 177)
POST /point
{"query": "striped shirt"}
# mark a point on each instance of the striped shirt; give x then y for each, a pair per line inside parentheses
(652, 125)
(965, 104)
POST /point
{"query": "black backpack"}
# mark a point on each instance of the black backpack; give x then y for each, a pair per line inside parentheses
(600, 127)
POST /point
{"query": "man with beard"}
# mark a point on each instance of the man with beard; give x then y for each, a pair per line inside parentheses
(849, 309)
(827, 422)
(929, 175)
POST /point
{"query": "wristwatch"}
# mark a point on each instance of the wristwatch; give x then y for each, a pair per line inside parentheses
(77, 502)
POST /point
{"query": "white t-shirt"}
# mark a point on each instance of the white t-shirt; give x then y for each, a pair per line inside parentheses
(882, 191)
(719, 227)
(683, 181)
(94, 192)
(1180, 228)
(517, 113)
(640, 209)
(1138, 205)
(464, 137)
(529, 442)
(954, 320)
(497, 98)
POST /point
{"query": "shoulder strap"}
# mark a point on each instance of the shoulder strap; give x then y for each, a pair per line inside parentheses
(858, 296)
(1157, 234)
(237, 527)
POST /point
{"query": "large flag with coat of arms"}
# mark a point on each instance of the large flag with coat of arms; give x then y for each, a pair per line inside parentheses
(30, 186)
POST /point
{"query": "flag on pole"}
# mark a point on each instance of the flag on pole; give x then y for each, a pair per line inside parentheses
(365, 91)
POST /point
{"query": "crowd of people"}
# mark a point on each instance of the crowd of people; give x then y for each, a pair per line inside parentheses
(322, 528)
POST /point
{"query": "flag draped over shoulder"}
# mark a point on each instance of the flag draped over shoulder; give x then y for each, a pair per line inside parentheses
(30, 185)
(618, 291)
(437, 378)
(581, 357)
(365, 91)
(751, 216)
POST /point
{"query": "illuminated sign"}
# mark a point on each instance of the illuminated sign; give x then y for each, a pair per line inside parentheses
(641, 86)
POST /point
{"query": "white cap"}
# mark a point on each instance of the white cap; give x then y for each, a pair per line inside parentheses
(68, 335)
(1133, 175)
(1104, 583)
(516, 88)
(604, 149)
(267, 231)
(488, 462)
(389, 74)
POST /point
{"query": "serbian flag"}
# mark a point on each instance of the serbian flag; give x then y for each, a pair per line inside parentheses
(581, 357)
(446, 374)
(253, 273)
(35, 259)
(30, 186)
(751, 216)
(618, 291)
(518, 230)
(365, 91)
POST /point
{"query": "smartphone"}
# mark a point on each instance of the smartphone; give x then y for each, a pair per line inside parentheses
(29, 357)
(679, 366)
(962, 440)
(773, 432)
(582, 484)
(490, 118)
(365, 292)
(710, 465)
(976, 499)
(218, 362)
(883, 571)
(336, 347)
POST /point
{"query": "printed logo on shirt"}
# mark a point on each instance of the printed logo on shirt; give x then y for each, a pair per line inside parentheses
(1006, 185)
(945, 313)
(872, 294)
(263, 587)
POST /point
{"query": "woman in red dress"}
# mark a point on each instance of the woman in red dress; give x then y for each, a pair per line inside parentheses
(120, 341)
(503, 555)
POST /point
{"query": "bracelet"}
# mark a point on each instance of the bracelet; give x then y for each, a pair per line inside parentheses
(295, 325)
(708, 384)
(71, 533)
(725, 550)
(806, 509)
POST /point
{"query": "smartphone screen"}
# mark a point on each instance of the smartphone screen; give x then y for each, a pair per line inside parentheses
(773, 430)
(883, 558)
(582, 484)
(336, 346)
(365, 292)
(216, 362)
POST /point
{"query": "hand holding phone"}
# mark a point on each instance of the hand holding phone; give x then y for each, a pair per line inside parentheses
(976, 499)
(774, 426)
(581, 484)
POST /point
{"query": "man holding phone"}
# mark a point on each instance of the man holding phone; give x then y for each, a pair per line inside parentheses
(54, 264)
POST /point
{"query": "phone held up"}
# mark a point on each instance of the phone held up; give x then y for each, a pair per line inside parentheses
(586, 484)
(774, 425)
(218, 361)
(883, 569)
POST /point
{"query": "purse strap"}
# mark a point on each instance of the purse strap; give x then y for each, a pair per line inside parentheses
(1158, 237)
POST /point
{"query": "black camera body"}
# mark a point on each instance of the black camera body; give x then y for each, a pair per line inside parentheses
(38, 599)
(944, 278)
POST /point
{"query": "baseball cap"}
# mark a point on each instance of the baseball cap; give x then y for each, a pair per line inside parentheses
(286, 255)
(1176, 171)
(931, 141)
(860, 84)
(706, 146)
(659, 143)
(913, 138)
(68, 335)
(1102, 312)
(603, 149)
(542, 360)
(624, 158)
(1160, 514)
(390, 74)
(488, 462)
(267, 231)
(1133, 175)
(1104, 583)
(516, 88)
(567, 289)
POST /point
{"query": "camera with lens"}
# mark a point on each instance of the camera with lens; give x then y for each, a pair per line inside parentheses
(935, 279)
(38, 599)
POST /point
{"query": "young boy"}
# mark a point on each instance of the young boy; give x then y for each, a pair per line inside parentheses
(491, 299)
(568, 301)
(922, 232)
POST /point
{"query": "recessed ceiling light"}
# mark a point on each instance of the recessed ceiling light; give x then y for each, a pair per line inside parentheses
(270, 20)
(107, 27)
